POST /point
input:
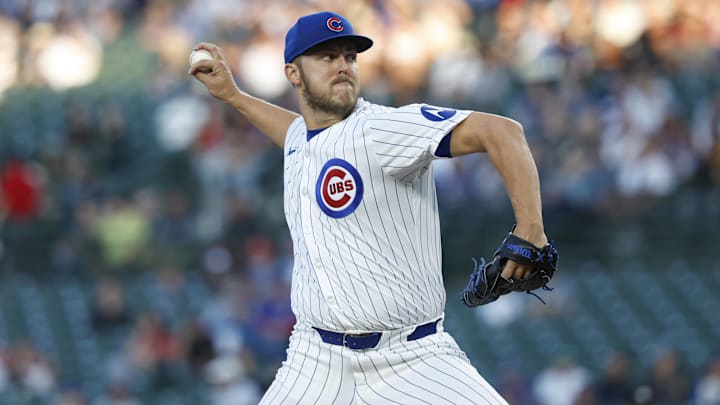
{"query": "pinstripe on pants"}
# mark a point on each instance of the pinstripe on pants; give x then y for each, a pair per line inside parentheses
(432, 370)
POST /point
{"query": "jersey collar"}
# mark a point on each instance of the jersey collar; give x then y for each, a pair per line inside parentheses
(312, 132)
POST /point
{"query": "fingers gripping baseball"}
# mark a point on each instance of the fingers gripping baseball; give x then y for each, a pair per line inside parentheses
(214, 73)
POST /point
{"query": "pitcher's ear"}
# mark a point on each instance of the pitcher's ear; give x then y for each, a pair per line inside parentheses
(292, 73)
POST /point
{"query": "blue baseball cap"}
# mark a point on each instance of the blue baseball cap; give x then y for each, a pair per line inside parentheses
(314, 29)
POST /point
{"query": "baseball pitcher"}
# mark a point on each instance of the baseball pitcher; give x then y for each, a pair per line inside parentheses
(360, 202)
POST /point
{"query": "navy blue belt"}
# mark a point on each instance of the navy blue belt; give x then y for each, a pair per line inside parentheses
(360, 341)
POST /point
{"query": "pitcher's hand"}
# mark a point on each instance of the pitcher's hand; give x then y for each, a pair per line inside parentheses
(214, 74)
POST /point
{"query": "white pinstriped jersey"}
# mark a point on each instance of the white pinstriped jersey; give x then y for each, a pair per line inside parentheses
(362, 211)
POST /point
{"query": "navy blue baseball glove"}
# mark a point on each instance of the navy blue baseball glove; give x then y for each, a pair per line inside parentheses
(486, 283)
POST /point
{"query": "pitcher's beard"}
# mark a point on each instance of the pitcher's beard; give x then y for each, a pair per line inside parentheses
(326, 104)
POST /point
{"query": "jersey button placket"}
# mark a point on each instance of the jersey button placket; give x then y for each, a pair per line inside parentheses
(307, 202)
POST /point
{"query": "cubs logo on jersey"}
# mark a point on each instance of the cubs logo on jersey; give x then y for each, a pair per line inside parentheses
(339, 188)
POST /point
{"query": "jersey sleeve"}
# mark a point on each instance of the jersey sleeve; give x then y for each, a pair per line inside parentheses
(404, 140)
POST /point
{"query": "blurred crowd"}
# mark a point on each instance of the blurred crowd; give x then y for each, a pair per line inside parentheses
(618, 97)
(122, 165)
(567, 382)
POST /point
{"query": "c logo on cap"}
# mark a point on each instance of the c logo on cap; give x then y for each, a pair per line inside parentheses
(339, 188)
(334, 24)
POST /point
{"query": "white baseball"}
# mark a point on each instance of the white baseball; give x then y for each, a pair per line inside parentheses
(197, 56)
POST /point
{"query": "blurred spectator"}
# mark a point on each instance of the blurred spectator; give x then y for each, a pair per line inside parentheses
(707, 388)
(562, 382)
(32, 371)
(179, 121)
(154, 353)
(649, 172)
(199, 348)
(668, 381)
(242, 220)
(229, 382)
(226, 315)
(616, 386)
(115, 154)
(175, 223)
(123, 232)
(504, 312)
(705, 134)
(4, 373)
(171, 298)
(262, 265)
(217, 263)
(110, 313)
(20, 190)
(645, 100)
(513, 385)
